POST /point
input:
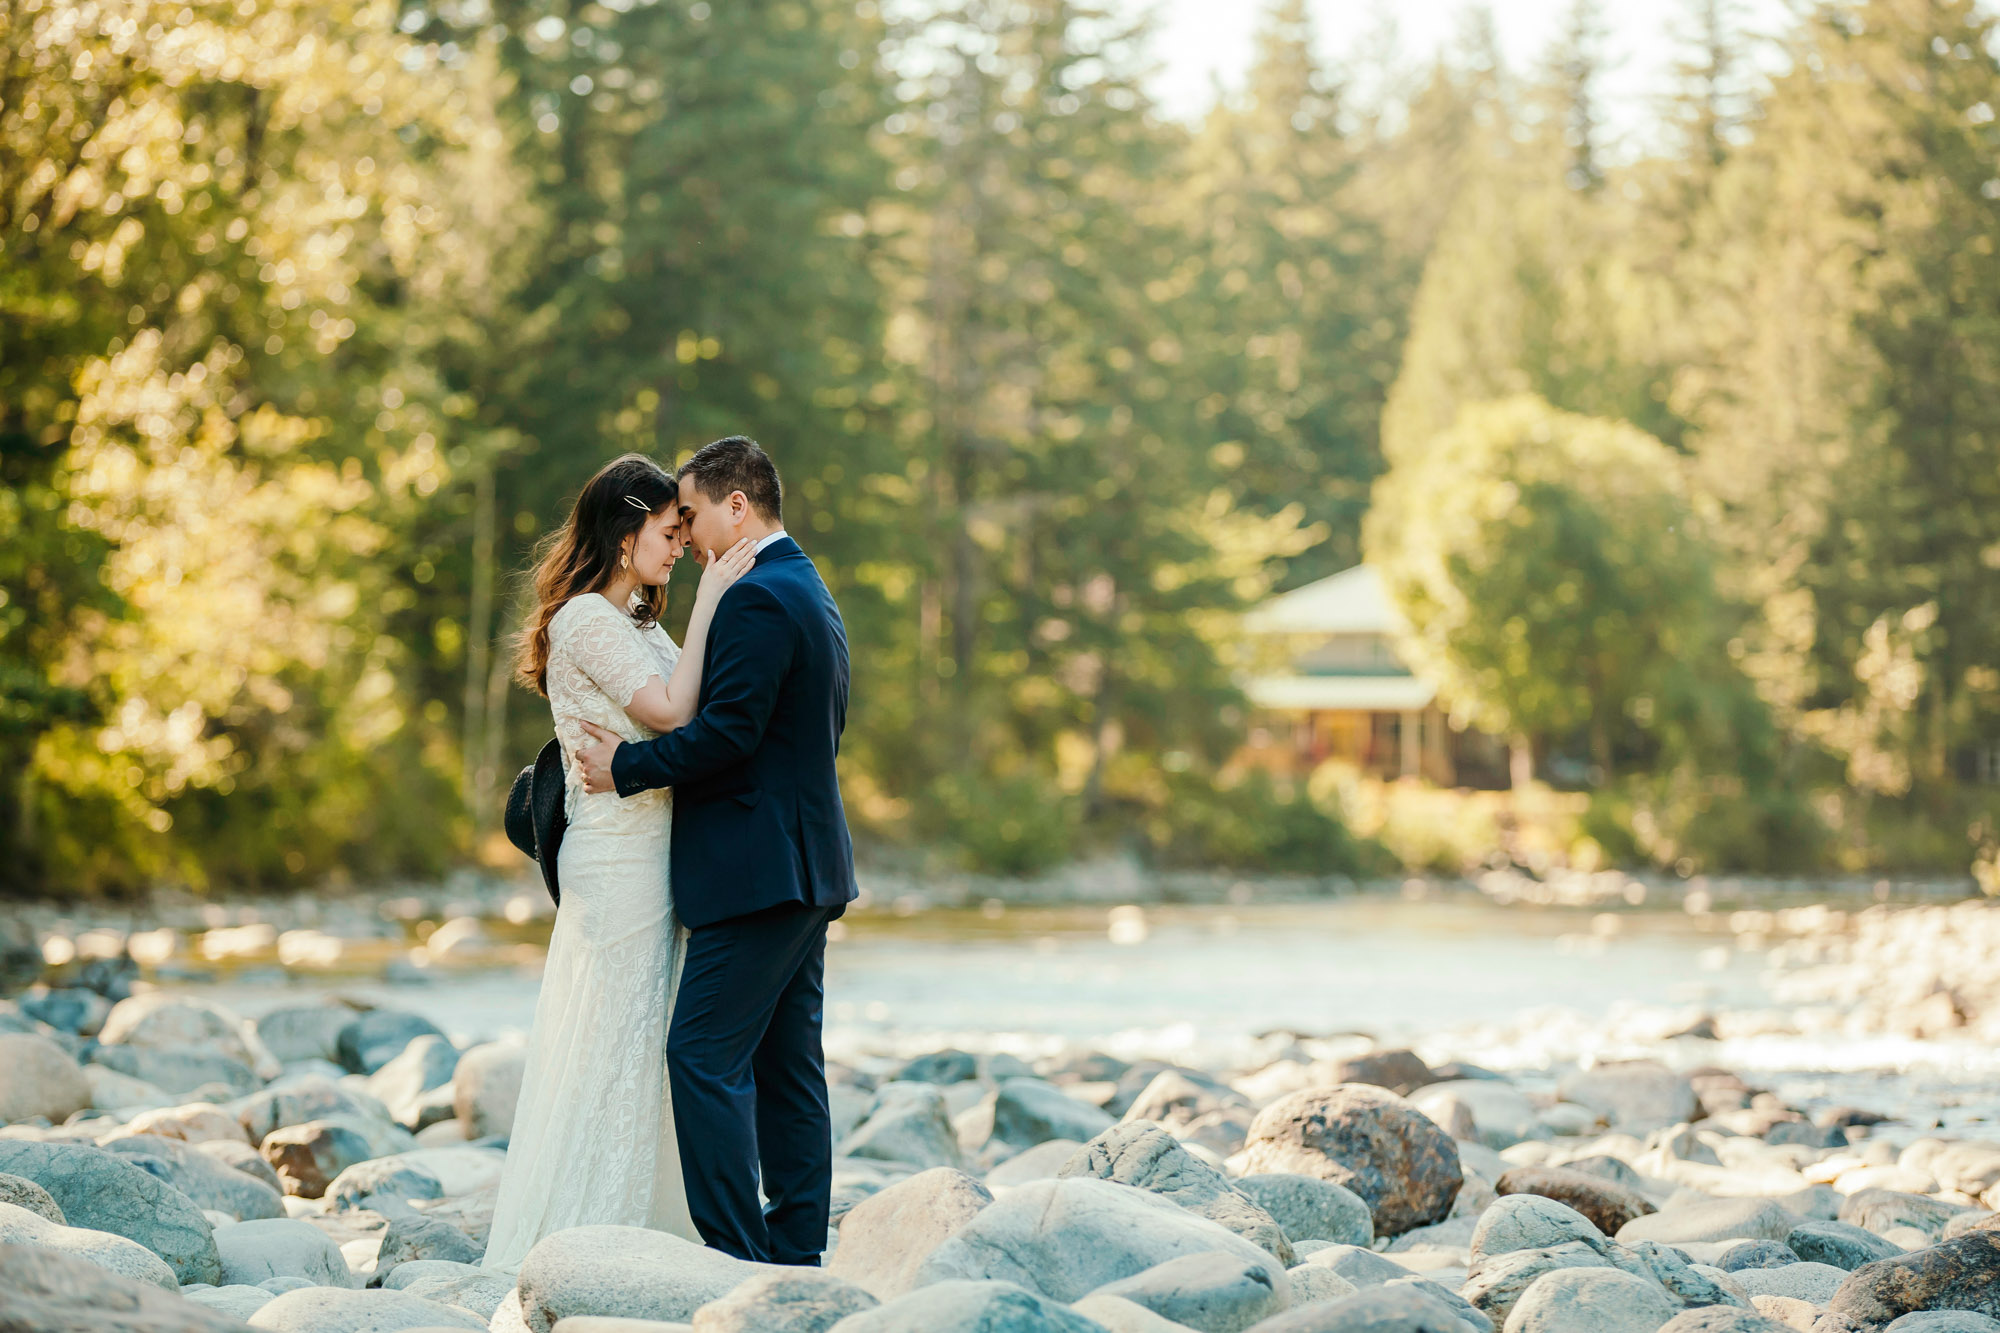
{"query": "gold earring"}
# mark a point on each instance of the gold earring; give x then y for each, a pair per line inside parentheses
(624, 561)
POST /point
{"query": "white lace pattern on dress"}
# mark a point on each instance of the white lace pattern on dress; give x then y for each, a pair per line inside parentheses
(593, 1138)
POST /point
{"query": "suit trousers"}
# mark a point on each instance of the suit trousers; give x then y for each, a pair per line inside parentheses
(749, 1083)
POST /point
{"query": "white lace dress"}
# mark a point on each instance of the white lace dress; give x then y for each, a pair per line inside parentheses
(593, 1139)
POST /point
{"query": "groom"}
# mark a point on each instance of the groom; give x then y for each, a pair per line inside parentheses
(761, 862)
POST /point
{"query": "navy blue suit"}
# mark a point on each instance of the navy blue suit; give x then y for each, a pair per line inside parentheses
(761, 862)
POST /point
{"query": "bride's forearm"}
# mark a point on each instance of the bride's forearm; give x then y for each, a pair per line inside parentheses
(684, 686)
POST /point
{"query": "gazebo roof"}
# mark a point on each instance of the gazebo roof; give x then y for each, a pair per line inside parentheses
(1353, 601)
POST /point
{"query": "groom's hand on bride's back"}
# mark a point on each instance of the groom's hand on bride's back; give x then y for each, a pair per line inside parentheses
(596, 759)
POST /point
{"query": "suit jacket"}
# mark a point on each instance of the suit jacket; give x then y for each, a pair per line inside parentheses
(758, 819)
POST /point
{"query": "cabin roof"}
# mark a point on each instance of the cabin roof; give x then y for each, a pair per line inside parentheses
(1353, 601)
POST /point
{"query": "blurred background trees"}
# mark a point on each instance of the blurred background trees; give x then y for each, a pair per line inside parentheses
(1683, 466)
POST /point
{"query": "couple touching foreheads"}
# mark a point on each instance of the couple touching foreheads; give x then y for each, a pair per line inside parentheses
(675, 1062)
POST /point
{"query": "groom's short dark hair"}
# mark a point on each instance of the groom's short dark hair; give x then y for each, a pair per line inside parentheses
(737, 463)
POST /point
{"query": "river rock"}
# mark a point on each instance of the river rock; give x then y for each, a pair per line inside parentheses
(940, 1067)
(415, 1236)
(1501, 1113)
(25, 1193)
(1400, 1308)
(335, 1310)
(1316, 1282)
(1882, 1211)
(113, 1091)
(1367, 1140)
(804, 1300)
(1496, 1283)
(49, 1292)
(236, 1302)
(240, 1156)
(295, 1100)
(1608, 1206)
(886, 1237)
(1171, 1095)
(211, 1184)
(106, 1192)
(1742, 1254)
(1692, 1284)
(192, 1122)
(72, 1009)
(39, 1079)
(1802, 1281)
(166, 1021)
(628, 1271)
(1603, 1300)
(252, 1253)
(1722, 1319)
(1971, 1221)
(179, 1071)
(395, 1177)
(1065, 1238)
(1943, 1321)
(375, 1037)
(1530, 1222)
(309, 1157)
(1717, 1219)
(1634, 1095)
(969, 1307)
(427, 1063)
(1212, 1293)
(480, 1292)
(114, 1254)
(1027, 1111)
(304, 1032)
(486, 1087)
(910, 1124)
(1841, 1244)
(1144, 1155)
(1961, 1274)
(1044, 1161)
(1358, 1264)
(1400, 1071)
(1309, 1208)
(1970, 1168)
(1119, 1315)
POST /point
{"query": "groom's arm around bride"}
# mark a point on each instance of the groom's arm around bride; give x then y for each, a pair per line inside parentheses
(761, 861)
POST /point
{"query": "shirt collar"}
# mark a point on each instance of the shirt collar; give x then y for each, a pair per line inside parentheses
(777, 536)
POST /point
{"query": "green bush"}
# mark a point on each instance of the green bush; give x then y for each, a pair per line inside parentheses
(1013, 825)
(1256, 824)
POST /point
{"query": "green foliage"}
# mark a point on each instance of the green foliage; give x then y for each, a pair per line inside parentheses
(1256, 824)
(1015, 824)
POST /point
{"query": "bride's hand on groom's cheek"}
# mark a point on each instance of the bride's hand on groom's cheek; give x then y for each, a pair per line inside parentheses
(596, 759)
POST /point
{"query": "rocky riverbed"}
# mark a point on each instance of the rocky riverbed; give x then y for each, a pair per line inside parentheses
(330, 1167)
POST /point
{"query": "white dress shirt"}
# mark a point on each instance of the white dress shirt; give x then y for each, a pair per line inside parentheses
(777, 536)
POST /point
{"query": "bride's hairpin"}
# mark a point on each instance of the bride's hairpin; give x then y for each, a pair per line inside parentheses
(638, 504)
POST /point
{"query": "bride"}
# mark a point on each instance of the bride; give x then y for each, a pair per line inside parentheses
(593, 1138)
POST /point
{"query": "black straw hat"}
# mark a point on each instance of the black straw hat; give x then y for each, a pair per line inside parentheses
(535, 820)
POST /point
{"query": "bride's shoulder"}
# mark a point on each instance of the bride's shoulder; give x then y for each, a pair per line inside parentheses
(582, 609)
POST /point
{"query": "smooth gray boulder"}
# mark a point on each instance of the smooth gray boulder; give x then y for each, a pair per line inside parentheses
(413, 1236)
(1742, 1254)
(168, 1021)
(1142, 1154)
(25, 1193)
(375, 1037)
(885, 1238)
(1027, 1111)
(1309, 1208)
(1067, 1238)
(1314, 1282)
(1401, 1308)
(1943, 1321)
(304, 1032)
(1358, 1264)
(482, 1293)
(486, 1088)
(237, 1302)
(1365, 1139)
(397, 1276)
(1603, 1300)
(1121, 1316)
(969, 1307)
(805, 1300)
(1530, 1222)
(254, 1252)
(295, 1101)
(48, 1291)
(910, 1123)
(114, 1254)
(1716, 1219)
(1634, 1095)
(106, 1192)
(178, 1072)
(1495, 1285)
(364, 1183)
(1804, 1282)
(426, 1064)
(309, 1157)
(628, 1271)
(201, 1176)
(335, 1310)
(38, 1078)
(1841, 1244)
(1212, 1293)
(1722, 1319)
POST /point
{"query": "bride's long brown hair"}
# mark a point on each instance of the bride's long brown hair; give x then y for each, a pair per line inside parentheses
(582, 555)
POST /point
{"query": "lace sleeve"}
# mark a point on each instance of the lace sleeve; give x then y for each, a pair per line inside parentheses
(603, 647)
